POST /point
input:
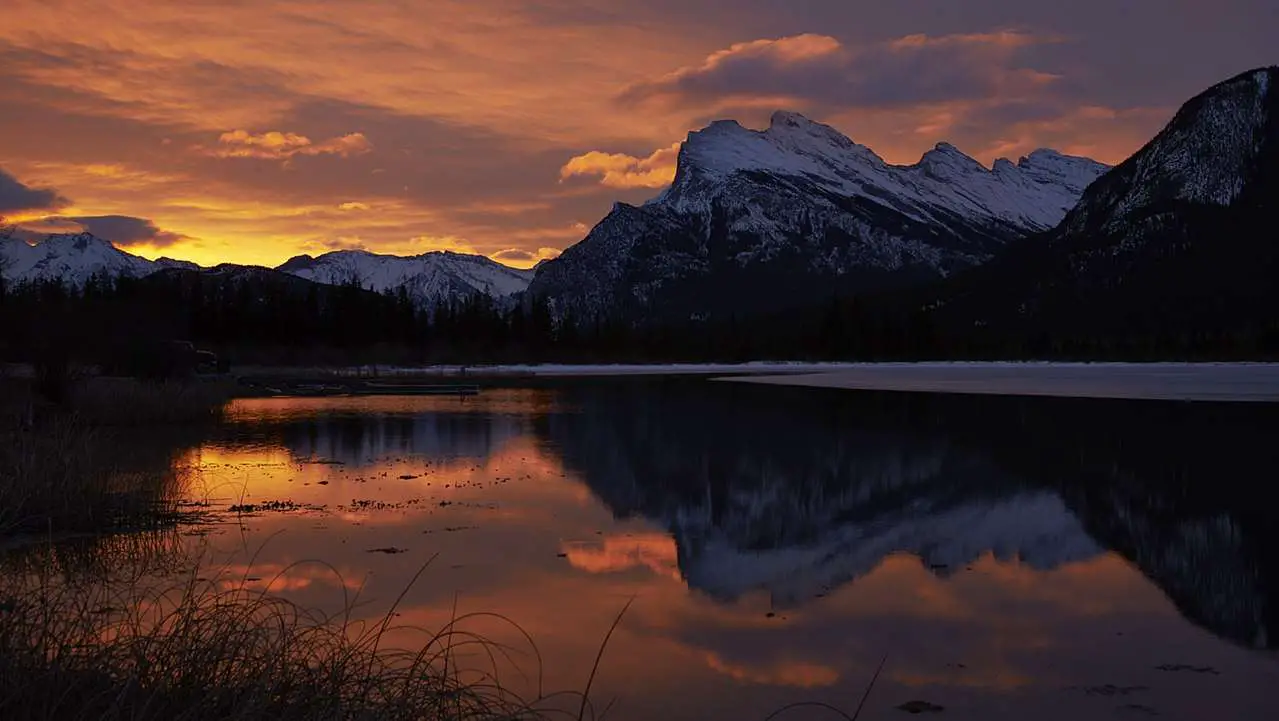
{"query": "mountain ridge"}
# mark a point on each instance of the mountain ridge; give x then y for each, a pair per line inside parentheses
(1174, 240)
(429, 278)
(800, 211)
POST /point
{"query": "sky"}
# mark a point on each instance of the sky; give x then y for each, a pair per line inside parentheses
(250, 131)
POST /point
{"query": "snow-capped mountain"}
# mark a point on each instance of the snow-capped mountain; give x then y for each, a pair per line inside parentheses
(1177, 239)
(427, 278)
(73, 258)
(760, 219)
(944, 185)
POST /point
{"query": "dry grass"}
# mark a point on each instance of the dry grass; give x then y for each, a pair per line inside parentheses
(66, 469)
(63, 477)
(200, 651)
(105, 401)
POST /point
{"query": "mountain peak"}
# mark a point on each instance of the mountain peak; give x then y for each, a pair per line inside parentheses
(945, 158)
(1206, 154)
(71, 258)
(1174, 242)
(723, 126)
(782, 119)
(80, 241)
(792, 129)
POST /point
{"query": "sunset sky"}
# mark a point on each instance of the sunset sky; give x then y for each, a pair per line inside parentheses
(250, 131)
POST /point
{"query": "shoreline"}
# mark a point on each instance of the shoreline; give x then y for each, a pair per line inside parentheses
(750, 368)
(1187, 382)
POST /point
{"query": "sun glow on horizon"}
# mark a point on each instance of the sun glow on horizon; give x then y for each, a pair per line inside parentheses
(502, 129)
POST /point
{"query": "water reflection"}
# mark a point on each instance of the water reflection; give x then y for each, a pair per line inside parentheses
(1012, 558)
(796, 492)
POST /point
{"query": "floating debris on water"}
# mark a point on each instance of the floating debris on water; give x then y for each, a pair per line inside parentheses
(915, 707)
(1187, 667)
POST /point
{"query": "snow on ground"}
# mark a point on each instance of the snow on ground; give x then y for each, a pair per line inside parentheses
(1255, 382)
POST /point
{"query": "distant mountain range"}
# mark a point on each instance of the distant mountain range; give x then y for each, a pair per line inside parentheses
(427, 279)
(798, 206)
(1178, 240)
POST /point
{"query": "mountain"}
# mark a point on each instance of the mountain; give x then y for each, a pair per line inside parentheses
(427, 278)
(1178, 240)
(74, 258)
(756, 220)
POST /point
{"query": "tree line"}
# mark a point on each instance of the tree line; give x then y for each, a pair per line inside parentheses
(256, 316)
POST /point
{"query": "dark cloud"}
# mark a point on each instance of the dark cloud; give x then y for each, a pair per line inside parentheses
(1127, 54)
(122, 230)
(126, 230)
(342, 244)
(17, 196)
(819, 70)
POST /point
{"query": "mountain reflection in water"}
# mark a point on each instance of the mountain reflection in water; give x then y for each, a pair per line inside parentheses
(797, 491)
(779, 542)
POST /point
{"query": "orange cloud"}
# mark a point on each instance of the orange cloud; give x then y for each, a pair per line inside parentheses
(427, 243)
(1001, 38)
(618, 170)
(278, 577)
(653, 551)
(799, 674)
(787, 49)
(276, 145)
(520, 258)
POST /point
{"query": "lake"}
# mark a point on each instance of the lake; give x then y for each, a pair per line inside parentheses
(1000, 557)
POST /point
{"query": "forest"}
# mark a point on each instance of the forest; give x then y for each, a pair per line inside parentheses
(261, 317)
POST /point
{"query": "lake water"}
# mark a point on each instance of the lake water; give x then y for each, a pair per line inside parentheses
(1001, 557)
